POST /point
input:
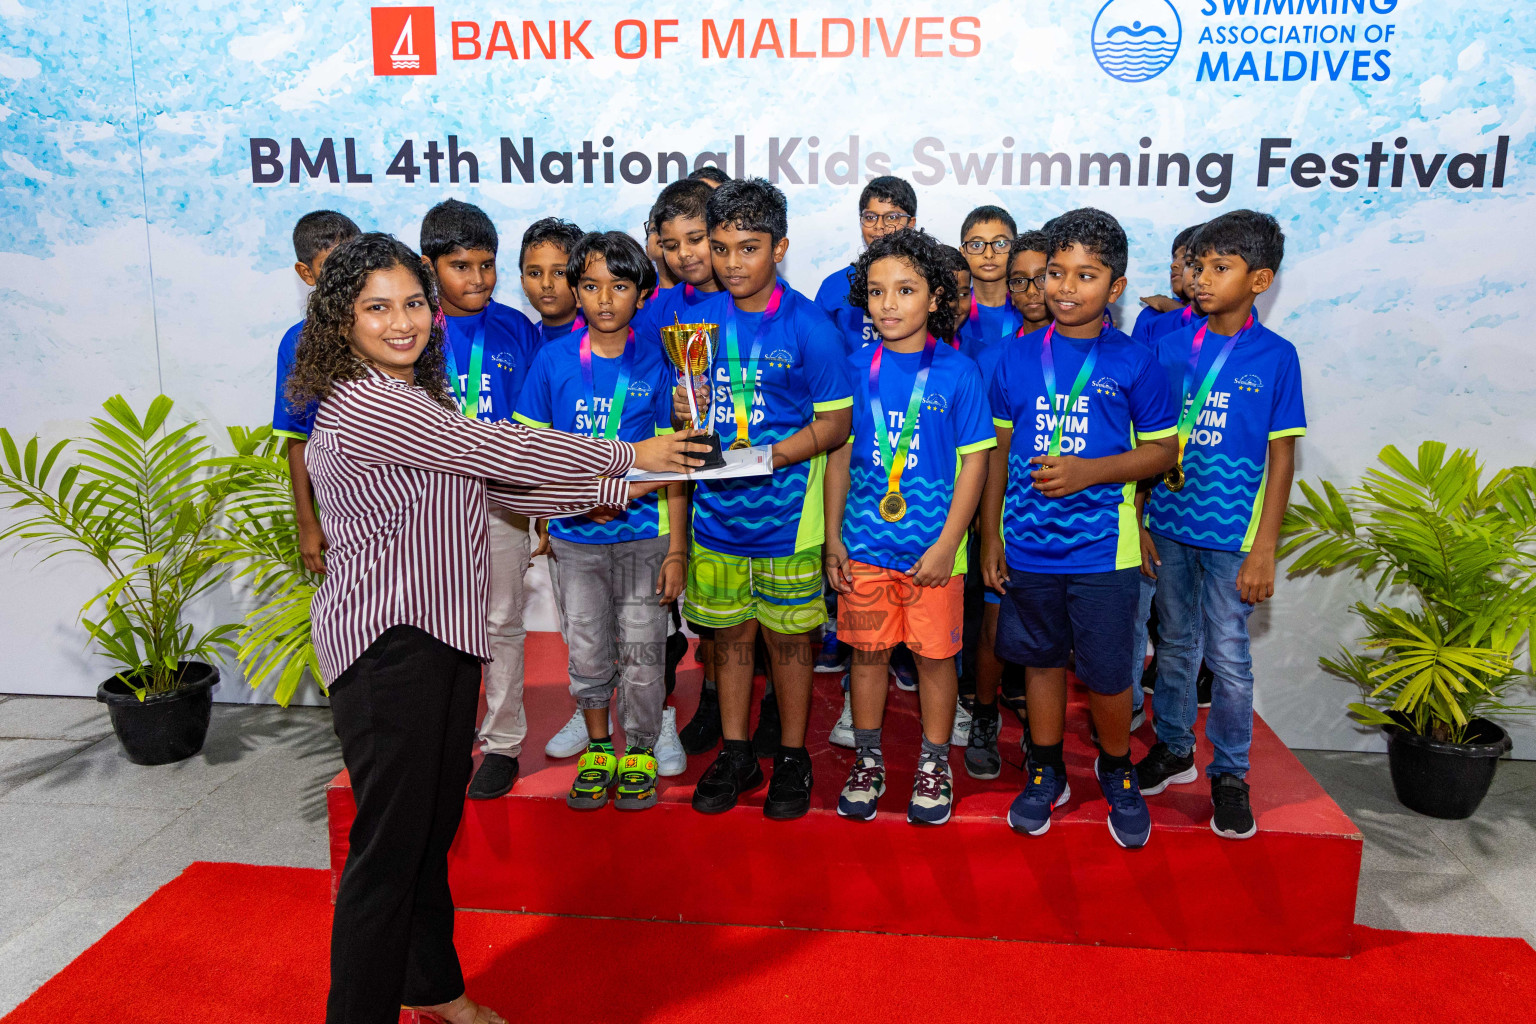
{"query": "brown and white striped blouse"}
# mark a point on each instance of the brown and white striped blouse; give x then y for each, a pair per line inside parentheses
(402, 484)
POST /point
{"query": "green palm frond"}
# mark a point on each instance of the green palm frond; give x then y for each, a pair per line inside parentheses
(1462, 551)
(143, 500)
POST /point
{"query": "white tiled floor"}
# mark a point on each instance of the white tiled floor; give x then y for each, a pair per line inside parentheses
(85, 836)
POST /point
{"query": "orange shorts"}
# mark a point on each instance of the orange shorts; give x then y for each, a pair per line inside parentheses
(886, 608)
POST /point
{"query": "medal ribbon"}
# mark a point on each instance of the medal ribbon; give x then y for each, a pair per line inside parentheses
(1188, 417)
(973, 321)
(620, 388)
(467, 395)
(1048, 369)
(894, 464)
(743, 377)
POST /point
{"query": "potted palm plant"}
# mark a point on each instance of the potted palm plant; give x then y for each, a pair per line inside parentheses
(1452, 556)
(143, 502)
(260, 539)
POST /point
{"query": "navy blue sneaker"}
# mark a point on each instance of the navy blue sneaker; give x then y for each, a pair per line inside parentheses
(1044, 791)
(833, 656)
(1129, 821)
(903, 671)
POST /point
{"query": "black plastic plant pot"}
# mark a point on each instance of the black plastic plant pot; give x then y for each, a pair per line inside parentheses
(164, 727)
(1445, 780)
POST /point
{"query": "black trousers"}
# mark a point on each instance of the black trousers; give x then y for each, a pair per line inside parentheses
(405, 715)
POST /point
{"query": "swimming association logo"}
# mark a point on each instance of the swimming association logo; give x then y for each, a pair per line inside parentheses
(1136, 40)
(404, 41)
(1106, 386)
(934, 402)
(1248, 382)
(639, 389)
(779, 359)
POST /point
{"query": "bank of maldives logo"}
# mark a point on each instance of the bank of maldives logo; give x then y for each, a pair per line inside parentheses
(1135, 40)
(404, 41)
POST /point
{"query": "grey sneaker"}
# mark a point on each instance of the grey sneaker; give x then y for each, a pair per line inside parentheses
(960, 732)
(982, 761)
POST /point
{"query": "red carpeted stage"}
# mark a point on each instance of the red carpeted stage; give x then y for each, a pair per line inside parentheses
(1290, 889)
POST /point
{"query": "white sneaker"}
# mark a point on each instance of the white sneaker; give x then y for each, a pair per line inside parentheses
(842, 732)
(572, 737)
(670, 759)
(960, 732)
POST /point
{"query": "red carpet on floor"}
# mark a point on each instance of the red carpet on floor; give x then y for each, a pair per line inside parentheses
(231, 944)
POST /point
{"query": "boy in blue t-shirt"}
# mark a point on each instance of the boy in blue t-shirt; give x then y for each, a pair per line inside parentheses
(986, 237)
(899, 498)
(780, 377)
(1081, 414)
(1213, 525)
(315, 237)
(618, 573)
(542, 260)
(1177, 299)
(887, 204)
(678, 214)
(488, 348)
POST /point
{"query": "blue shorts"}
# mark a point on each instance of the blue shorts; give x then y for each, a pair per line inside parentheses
(1047, 616)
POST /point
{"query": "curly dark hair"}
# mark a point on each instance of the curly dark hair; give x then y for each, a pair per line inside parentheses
(923, 253)
(324, 356)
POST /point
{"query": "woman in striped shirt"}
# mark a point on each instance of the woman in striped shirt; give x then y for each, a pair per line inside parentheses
(399, 623)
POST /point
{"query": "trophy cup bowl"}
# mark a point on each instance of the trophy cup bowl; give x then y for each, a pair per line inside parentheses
(691, 348)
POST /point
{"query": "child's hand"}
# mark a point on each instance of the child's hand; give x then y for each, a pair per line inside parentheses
(934, 568)
(1161, 303)
(838, 566)
(541, 526)
(312, 546)
(994, 566)
(1057, 476)
(1149, 556)
(1256, 578)
(681, 414)
(673, 577)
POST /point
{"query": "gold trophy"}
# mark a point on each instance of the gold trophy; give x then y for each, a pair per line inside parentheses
(691, 347)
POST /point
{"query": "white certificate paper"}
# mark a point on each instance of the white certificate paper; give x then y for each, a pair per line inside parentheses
(754, 461)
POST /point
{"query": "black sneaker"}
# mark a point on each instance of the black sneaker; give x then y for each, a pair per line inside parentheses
(493, 778)
(765, 738)
(1149, 675)
(789, 791)
(1233, 818)
(703, 730)
(1203, 681)
(982, 761)
(1162, 768)
(724, 781)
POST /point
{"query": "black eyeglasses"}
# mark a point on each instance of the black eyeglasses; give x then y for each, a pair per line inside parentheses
(892, 220)
(976, 245)
(1019, 284)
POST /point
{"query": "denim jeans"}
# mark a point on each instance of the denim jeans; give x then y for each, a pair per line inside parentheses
(1139, 657)
(1200, 613)
(616, 629)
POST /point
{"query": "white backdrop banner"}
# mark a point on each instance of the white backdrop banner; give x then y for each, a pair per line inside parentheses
(155, 158)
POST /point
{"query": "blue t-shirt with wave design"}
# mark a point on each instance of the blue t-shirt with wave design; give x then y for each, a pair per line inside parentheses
(802, 369)
(952, 420)
(555, 395)
(1255, 398)
(1095, 529)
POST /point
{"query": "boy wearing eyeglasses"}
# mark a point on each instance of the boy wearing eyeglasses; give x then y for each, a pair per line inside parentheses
(887, 204)
(986, 238)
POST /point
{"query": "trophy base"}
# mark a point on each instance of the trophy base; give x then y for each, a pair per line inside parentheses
(714, 458)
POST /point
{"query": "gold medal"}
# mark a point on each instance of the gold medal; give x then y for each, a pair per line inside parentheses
(740, 443)
(893, 506)
(1174, 478)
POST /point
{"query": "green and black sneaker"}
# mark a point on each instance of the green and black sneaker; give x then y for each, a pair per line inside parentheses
(594, 774)
(637, 780)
